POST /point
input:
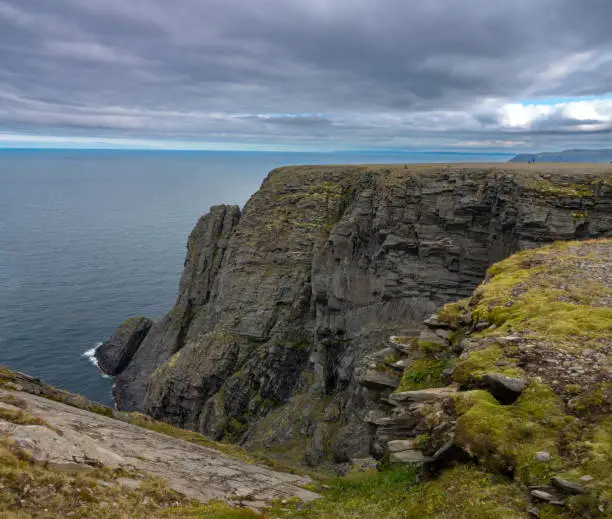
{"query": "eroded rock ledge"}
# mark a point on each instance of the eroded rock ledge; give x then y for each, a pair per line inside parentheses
(518, 381)
(280, 308)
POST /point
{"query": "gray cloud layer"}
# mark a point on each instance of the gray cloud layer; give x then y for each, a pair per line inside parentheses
(369, 73)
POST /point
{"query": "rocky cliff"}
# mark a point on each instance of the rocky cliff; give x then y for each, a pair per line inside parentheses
(282, 306)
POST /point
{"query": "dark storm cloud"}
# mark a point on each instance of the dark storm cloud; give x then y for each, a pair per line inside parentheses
(343, 72)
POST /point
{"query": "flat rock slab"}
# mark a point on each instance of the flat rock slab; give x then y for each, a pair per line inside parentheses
(409, 456)
(401, 445)
(379, 381)
(198, 472)
(423, 395)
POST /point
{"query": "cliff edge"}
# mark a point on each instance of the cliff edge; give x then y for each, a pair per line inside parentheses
(282, 305)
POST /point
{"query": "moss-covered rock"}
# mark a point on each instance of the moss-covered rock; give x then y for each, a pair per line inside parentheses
(542, 325)
(551, 316)
(424, 373)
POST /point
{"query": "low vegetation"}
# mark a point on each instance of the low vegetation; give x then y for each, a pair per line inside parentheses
(19, 417)
(424, 373)
(464, 492)
(493, 359)
(560, 292)
(34, 491)
(506, 438)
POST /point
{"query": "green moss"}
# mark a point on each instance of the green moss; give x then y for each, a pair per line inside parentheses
(464, 492)
(506, 438)
(172, 362)
(408, 341)
(361, 494)
(558, 189)
(431, 348)
(422, 441)
(424, 373)
(481, 362)
(451, 313)
(101, 410)
(548, 293)
(7, 377)
(592, 456)
(392, 358)
(132, 320)
(234, 429)
(465, 400)
(593, 401)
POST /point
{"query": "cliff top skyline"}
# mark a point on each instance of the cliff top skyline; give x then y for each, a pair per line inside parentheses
(295, 75)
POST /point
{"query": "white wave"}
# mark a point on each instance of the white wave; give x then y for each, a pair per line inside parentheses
(91, 355)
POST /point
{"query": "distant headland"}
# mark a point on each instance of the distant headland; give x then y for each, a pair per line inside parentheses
(592, 156)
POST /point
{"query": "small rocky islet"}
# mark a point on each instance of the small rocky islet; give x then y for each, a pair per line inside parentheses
(423, 341)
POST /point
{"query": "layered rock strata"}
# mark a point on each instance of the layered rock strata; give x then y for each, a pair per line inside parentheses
(282, 305)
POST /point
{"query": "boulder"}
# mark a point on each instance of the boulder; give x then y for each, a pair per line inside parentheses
(435, 322)
(397, 428)
(401, 445)
(114, 355)
(409, 456)
(568, 486)
(423, 395)
(543, 456)
(379, 380)
(481, 325)
(429, 336)
(542, 495)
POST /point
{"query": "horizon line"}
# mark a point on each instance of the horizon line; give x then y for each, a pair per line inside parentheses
(380, 151)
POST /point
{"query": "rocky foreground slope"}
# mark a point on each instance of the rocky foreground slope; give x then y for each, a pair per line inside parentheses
(283, 305)
(64, 456)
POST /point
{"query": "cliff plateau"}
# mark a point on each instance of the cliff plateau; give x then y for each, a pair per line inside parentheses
(283, 306)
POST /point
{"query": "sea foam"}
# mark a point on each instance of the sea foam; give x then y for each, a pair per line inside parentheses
(91, 356)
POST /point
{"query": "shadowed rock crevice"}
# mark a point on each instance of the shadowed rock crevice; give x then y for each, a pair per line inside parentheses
(290, 298)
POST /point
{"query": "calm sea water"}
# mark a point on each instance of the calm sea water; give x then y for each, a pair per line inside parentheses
(90, 238)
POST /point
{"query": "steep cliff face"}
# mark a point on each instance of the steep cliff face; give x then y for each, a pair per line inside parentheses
(280, 308)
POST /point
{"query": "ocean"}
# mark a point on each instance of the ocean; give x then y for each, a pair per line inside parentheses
(90, 238)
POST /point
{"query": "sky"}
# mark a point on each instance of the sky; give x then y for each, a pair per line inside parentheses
(512, 75)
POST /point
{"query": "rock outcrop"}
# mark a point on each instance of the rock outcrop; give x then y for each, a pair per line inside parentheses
(529, 395)
(114, 355)
(64, 456)
(282, 306)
